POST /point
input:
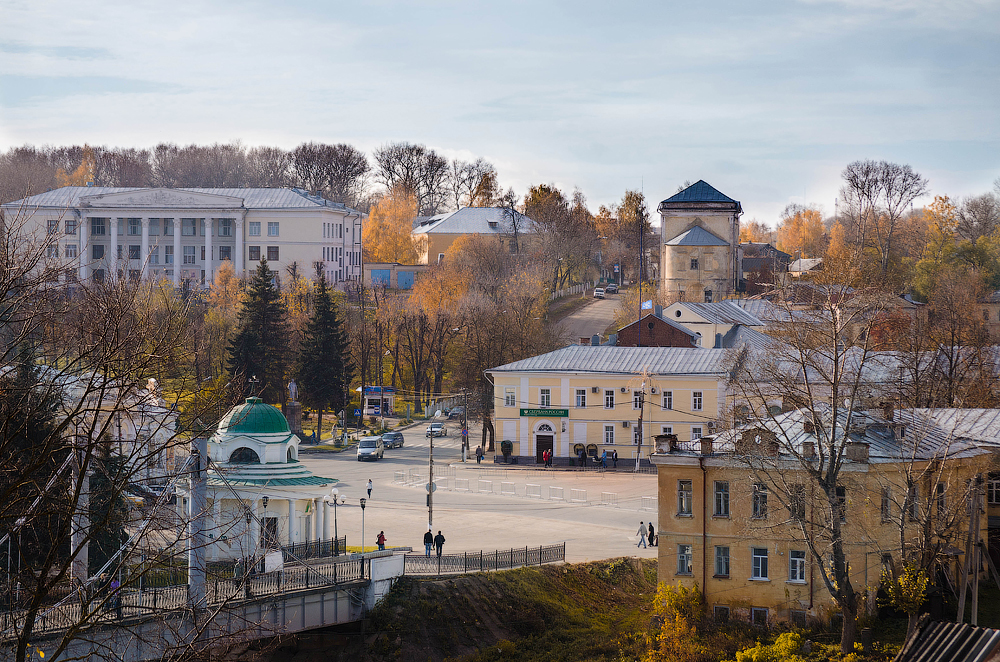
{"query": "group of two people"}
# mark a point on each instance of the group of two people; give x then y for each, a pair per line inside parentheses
(431, 540)
(643, 533)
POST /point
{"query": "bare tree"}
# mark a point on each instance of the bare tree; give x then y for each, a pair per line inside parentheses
(267, 167)
(417, 170)
(978, 216)
(338, 171)
(472, 183)
(123, 167)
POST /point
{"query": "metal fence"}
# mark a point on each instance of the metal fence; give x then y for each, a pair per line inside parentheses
(312, 549)
(451, 564)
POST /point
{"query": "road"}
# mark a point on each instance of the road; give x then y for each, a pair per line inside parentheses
(589, 320)
(471, 521)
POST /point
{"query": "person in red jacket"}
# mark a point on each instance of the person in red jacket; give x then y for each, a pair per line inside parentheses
(381, 540)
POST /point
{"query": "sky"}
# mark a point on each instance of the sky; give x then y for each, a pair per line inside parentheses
(766, 101)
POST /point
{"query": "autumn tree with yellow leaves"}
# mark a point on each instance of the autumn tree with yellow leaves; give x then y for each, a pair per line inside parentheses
(800, 231)
(387, 234)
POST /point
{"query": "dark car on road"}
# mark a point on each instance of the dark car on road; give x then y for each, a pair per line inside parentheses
(457, 412)
(392, 439)
(611, 288)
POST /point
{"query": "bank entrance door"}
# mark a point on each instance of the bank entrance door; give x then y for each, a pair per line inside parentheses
(543, 442)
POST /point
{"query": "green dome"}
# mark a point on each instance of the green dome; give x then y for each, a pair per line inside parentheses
(254, 417)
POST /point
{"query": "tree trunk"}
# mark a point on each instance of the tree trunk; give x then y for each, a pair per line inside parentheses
(911, 623)
(489, 432)
(849, 632)
(319, 424)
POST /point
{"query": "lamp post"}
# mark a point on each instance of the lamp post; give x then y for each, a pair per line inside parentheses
(363, 525)
(332, 499)
(265, 533)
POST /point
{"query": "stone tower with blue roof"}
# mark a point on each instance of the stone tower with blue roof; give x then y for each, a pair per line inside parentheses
(700, 233)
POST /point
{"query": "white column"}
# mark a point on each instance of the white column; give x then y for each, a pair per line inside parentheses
(254, 534)
(178, 257)
(293, 522)
(217, 526)
(112, 259)
(144, 253)
(208, 251)
(327, 516)
(238, 247)
(84, 248)
(316, 514)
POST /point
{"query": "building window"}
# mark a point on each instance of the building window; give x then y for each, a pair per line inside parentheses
(71, 250)
(253, 253)
(440, 258)
(759, 501)
(939, 497)
(696, 400)
(684, 505)
(758, 616)
(609, 434)
(121, 251)
(134, 227)
(134, 274)
(708, 296)
(98, 275)
(581, 397)
(636, 435)
(225, 227)
(721, 561)
(609, 399)
(668, 399)
(97, 227)
(683, 559)
(509, 399)
(52, 226)
(667, 429)
(168, 255)
(544, 397)
(154, 227)
(225, 252)
(201, 226)
(796, 566)
(70, 226)
(695, 433)
(721, 615)
(189, 254)
(98, 251)
(272, 229)
(187, 227)
(886, 507)
(70, 275)
(798, 618)
(842, 503)
(168, 227)
(986, 315)
(721, 499)
(758, 569)
(120, 225)
(797, 501)
(202, 253)
(694, 264)
(134, 252)
(637, 400)
(993, 489)
(913, 503)
(272, 253)
(154, 255)
(253, 228)
(52, 250)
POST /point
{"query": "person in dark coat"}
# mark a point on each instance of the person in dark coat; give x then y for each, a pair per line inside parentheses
(614, 457)
(439, 543)
(428, 542)
(651, 538)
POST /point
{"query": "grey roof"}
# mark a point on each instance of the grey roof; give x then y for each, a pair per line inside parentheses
(942, 641)
(473, 220)
(604, 359)
(722, 312)
(805, 264)
(253, 198)
(696, 236)
(740, 335)
(700, 191)
(666, 320)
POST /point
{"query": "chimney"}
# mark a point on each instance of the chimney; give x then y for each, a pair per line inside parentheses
(706, 445)
(718, 341)
(857, 451)
(808, 449)
(665, 443)
(595, 340)
(658, 311)
(585, 340)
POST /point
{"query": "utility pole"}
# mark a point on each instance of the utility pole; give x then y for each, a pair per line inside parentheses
(430, 484)
(642, 402)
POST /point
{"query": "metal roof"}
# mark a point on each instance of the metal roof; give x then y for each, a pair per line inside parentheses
(473, 220)
(700, 191)
(944, 641)
(604, 359)
(696, 236)
(253, 198)
(721, 312)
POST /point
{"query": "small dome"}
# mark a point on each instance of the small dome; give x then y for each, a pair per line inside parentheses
(254, 417)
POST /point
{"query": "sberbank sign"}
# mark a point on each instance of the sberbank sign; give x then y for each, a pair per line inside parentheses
(555, 413)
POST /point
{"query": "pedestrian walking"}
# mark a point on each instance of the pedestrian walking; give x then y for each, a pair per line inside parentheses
(642, 534)
(116, 597)
(604, 459)
(479, 454)
(428, 542)
(370, 488)
(652, 537)
(583, 458)
(614, 457)
(380, 540)
(439, 543)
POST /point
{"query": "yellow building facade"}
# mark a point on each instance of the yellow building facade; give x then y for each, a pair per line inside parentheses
(592, 398)
(731, 521)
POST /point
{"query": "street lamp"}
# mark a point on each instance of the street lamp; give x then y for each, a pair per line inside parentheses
(332, 499)
(363, 525)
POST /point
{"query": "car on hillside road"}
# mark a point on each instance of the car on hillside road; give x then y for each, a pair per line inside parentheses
(457, 412)
(392, 439)
(611, 288)
(436, 430)
(598, 292)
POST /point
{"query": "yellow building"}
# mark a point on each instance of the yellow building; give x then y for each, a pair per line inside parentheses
(593, 398)
(437, 233)
(733, 508)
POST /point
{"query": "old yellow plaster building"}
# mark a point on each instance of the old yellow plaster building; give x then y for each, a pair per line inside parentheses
(436, 234)
(593, 398)
(733, 508)
(700, 231)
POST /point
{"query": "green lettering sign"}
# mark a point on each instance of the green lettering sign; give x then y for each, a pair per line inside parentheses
(555, 413)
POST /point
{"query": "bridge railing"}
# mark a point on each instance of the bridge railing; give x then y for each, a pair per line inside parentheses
(501, 559)
(312, 549)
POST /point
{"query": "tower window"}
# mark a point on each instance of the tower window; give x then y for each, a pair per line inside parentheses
(694, 264)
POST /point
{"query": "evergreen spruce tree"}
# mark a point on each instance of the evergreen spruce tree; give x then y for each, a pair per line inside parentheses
(260, 347)
(323, 369)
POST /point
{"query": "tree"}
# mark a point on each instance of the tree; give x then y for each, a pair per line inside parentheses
(473, 183)
(978, 217)
(259, 350)
(339, 171)
(323, 368)
(387, 234)
(756, 232)
(417, 170)
(83, 174)
(907, 592)
(801, 232)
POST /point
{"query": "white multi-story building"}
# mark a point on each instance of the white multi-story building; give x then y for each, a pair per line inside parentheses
(183, 235)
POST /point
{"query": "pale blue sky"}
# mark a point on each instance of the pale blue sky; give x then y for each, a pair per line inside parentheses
(766, 101)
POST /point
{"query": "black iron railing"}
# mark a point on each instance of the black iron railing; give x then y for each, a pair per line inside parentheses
(501, 559)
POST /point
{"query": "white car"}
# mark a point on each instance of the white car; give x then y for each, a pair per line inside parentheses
(436, 430)
(370, 448)
(598, 292)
